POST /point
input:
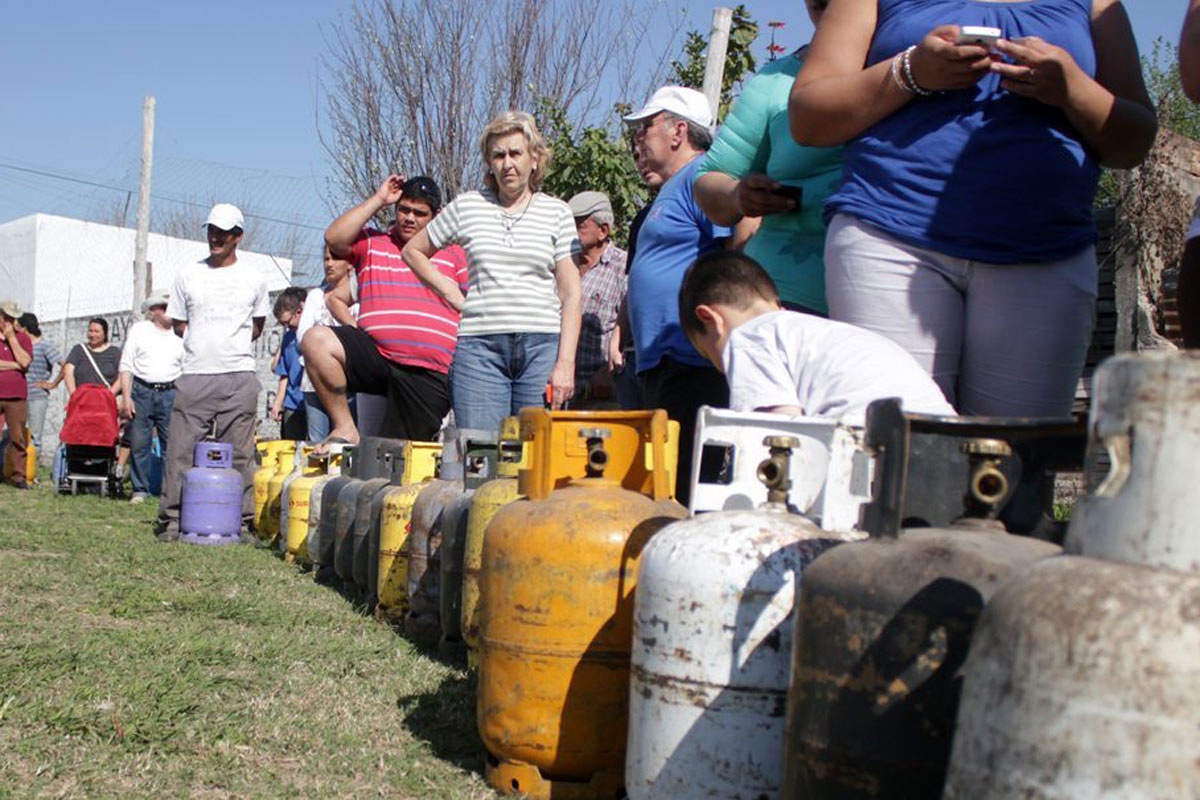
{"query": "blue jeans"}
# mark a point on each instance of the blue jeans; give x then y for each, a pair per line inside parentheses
(37, 419)
(318, 420)
(497, 375)
(153, 412)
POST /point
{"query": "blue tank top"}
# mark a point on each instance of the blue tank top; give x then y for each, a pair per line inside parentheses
(979, 173)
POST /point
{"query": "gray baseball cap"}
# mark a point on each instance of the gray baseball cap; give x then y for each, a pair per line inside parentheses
(585, 204)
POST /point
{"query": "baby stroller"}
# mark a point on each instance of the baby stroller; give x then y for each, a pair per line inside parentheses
(89, 443)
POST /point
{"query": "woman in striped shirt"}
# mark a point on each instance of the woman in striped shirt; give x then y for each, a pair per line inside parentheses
(521, 312)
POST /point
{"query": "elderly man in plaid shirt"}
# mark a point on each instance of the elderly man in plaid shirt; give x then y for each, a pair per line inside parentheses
(602, 288)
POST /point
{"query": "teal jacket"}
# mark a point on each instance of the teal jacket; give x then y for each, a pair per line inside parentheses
(756, 138)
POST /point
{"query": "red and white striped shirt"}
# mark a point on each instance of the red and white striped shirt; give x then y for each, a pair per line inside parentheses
(410, 324)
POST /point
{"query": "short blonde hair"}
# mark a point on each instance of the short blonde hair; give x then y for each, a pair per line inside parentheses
(507, 122)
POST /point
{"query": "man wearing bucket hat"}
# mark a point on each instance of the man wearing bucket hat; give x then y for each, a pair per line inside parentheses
(151, 362)
(15, 355)
(602, 291)
(669, 135)
(220, 305)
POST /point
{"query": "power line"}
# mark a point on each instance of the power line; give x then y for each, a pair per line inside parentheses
(72, 179)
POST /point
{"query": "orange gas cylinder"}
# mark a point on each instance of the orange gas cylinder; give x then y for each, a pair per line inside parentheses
(30, 459)
(556, 602)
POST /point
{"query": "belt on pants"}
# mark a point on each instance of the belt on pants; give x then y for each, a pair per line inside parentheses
(158, 387)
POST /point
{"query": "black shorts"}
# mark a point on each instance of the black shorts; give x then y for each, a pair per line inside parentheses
(418, 398)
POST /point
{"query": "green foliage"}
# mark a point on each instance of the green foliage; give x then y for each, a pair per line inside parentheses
(591, 159)
(1175, 111)
(739, 60)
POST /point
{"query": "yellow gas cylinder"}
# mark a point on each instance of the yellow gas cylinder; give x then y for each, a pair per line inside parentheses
(268, 461)
(556, 601)
(395, 523)
(30, 459)
(284, 464)
(487, 500)
(299, 493)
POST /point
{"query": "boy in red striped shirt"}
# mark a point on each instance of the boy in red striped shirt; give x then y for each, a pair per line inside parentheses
(404, 342)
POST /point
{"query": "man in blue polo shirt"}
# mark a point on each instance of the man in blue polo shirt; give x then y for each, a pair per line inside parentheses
(669, 135)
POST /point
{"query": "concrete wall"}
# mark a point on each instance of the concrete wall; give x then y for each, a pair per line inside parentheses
(58, 266)
(118, 324)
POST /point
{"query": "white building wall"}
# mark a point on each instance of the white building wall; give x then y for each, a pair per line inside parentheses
(119, 323)
(55, 265)
(86, 268)
(18, 243)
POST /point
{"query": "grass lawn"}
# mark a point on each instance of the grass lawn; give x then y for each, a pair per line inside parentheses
(133, 668)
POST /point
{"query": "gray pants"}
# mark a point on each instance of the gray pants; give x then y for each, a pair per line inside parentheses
(226, 402)
(1000, 340)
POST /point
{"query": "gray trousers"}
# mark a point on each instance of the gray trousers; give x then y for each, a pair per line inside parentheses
(226, 402)
(1000, 340)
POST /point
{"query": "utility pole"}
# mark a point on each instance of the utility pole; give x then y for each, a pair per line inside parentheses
(141, 267)
(714, 61)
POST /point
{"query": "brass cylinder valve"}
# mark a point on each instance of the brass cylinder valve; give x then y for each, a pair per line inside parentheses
(988, 486)
(597, 456)
(775, 471)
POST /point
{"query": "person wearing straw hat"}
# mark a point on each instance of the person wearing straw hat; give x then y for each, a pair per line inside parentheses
(15, 355)
(220, 305)
(151, 362)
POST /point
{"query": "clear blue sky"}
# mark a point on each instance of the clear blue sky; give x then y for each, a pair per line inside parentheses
(237, 85)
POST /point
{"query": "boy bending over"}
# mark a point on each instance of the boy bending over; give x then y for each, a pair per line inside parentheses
(790, 363)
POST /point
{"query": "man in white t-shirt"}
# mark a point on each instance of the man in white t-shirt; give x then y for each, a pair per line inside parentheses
(786, 362)
(219, 305)
(151, 361)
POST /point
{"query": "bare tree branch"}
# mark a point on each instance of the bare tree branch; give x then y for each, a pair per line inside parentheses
(409, 84)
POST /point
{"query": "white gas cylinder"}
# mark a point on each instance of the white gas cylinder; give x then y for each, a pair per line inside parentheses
(712, 646)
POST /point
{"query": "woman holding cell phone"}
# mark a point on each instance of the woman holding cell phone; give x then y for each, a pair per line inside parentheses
(963, 229)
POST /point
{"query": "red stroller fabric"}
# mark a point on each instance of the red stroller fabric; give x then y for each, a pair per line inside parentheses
(91, 417)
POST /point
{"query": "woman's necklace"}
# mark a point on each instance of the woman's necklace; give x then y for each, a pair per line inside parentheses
(508, 222)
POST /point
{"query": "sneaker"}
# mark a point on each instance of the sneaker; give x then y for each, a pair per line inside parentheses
(137, 498)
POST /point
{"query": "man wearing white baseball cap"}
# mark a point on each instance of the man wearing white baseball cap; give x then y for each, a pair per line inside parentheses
(219, 305)
(669, 135)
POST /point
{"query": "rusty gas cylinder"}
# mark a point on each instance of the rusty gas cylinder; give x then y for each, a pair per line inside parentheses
(421, 621)
(1084, 675)
(322, 528)
(479, 467)
(487, 500)
(884, 626)
(556, 600)
(389, 546)
(712, 641)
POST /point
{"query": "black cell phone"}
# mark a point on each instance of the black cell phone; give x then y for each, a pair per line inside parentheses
(796, 193)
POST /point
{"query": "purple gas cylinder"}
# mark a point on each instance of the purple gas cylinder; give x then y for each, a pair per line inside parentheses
(211, 506)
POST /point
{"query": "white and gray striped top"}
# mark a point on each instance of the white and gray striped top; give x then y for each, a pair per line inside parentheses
(510, 260)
